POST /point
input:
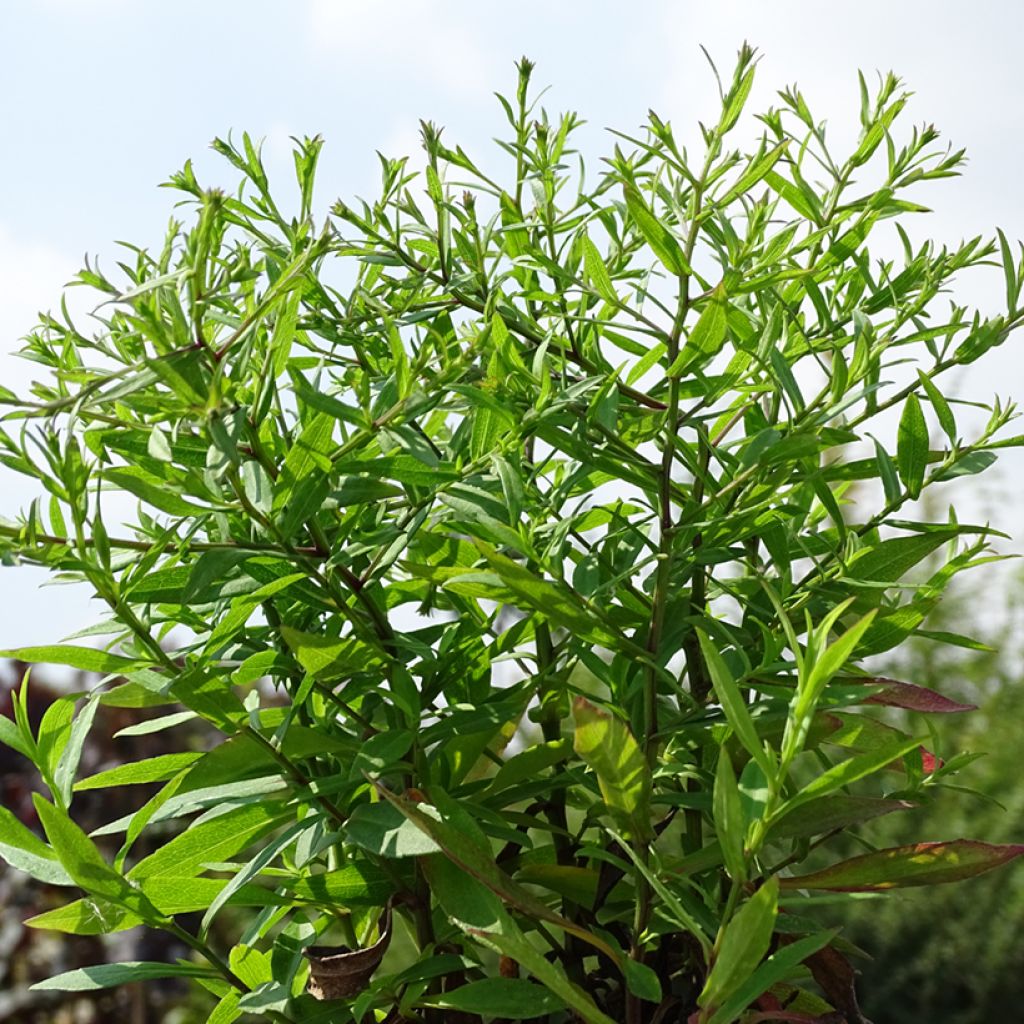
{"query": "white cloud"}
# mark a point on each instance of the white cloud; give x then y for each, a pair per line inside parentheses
(439, 42)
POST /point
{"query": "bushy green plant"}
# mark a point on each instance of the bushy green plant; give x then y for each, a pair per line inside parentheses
(561, 515)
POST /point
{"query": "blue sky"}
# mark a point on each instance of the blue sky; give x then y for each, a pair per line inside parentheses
(100, 101)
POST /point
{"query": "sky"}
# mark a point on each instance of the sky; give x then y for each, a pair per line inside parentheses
(101, 100)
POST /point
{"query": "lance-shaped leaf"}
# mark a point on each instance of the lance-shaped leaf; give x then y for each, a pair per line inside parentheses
(459, 837)
(757, 169)
(529, 764)
(708, 334)
(593, 263)
(84, 864)
(554, 602)
(355, 885)
(895, 694)
(608, 747)
(85, 659)
(742, 945)
(905, 866)
(151, 769)
(514, 998)
(729, 818)
(912, 446)
(887, 561)
(665, 245)
(734, 706)
(577, 884)
(305, 478)
(832, 812)
(89, 979)
(25, 851)
(328, 657)
(849, 771)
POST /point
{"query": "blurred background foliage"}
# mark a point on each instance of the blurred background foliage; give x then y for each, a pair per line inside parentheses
(28, 955)
(953, 954)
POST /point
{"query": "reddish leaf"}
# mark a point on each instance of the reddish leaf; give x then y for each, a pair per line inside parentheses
(903, 866)
(913, 698)
(929, 762)
(834, 974)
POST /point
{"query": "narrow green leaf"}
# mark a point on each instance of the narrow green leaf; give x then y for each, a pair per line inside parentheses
(743, 945)
(834, 811)
(243, 607)
(550, 600)
(211, 697)
(213, 841)
(478, 912)
(158, 445)
(330, 658)
(358, 884)
(756, 170)
(658, 235)
(514, 998)
(737, 99)
(383, 830)
(673, 902)
(90, 916)
(912, 446)
(593, 263)
(943, 412)
(152, 489)
(849, 771)
(86, 659)
(1013, 286)
(708, 334)
(23, 850)
(89, 979)
(10, 736)
(257, 485)
(171, 895)
(152, 769)
(730, 825)
(733, 704)
(576, 884)
(305, 477)
(67, 764)
(84, 864)
(251, 870)
(803, 203)
(642, 981)
(227, 1011)
(530, 763)
(54, 733)
(889, 560)
(403, 468)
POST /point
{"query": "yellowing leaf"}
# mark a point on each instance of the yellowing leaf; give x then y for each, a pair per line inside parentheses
(607, 746)
(905, 866)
